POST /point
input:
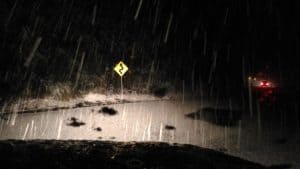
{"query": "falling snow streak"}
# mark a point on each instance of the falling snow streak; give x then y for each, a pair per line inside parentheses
(12, 11)
(67, 31)
(213, 67)
(59, 128)
(94, 15)
(250, 99)
(75, 57)
(226, 137)
(138, 10)
(149, 128)
(226, 16)
(259, 127)
(25, 132)
(168, 28)
(79, 70)
(183, 91)
(156, 18)
(150, 77)
(35, 26)
(160, 132)
(33, 51)
(239, 135)
(297, 116)
(205, 43)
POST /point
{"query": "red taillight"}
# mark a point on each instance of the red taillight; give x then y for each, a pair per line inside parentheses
(261, 84)
(264, 84)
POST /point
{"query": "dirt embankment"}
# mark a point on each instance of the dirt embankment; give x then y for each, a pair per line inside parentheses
(114, 155)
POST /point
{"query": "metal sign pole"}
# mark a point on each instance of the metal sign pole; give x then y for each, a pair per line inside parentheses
(121, 88)
(121, 69)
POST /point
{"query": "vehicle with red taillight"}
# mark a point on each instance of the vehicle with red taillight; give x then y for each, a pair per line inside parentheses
(262, 87)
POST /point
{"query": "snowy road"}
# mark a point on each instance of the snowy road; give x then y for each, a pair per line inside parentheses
(164, 121)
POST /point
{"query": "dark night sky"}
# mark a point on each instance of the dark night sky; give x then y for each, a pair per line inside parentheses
(258, 32)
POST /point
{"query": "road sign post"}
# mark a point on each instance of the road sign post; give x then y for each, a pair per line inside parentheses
(121, 68)
(122, 88)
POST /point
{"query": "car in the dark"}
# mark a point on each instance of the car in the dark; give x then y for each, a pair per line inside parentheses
(263, 87)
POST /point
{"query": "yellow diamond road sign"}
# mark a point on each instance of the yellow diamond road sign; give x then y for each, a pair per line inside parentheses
(121, 68)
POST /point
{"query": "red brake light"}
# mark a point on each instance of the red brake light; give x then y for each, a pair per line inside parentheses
(264, 84)
(261, 83)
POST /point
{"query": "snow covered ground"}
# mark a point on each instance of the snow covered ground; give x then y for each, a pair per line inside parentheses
(147, 118)
(49, 103)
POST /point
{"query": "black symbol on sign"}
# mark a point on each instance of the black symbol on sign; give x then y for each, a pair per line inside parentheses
(121, 65)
